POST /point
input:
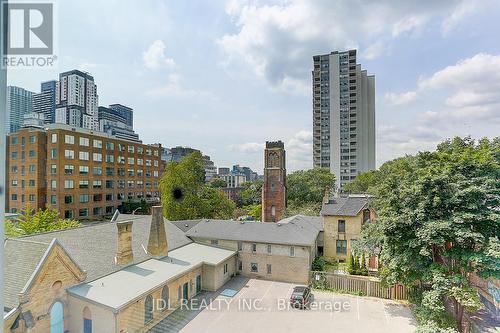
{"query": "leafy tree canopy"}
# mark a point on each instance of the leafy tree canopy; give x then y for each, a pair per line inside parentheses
(442, 204)
(308, 186)
(35, 221)
(184, 194)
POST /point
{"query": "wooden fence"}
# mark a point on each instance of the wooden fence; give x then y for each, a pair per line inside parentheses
(363, 285)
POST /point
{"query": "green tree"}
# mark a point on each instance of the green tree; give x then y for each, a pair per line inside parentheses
(184, 194)
(11, 230)
(351, 265)
(308, 186)
(363, 270)
(217, 183)
(31, 221)
(441, 204)
(252, 193)
(363, 183)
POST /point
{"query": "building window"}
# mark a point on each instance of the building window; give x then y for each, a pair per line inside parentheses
(87, 320)
(14, 183)
(254, 247)
(214, 242)
(341, 226)
(240, 265)
(14, 140)
(268, 248)
(292, 251)
(83, 212)
(53, 199)
(69, 139)
(84, 184)
(68, 214)
(148, 309)
(32, 168)
(98, 144)
(225, 269)
(84, 155)
(84, 169)
(69, 169)
(53, 153)
(341, 246)
(69, 183)
(240, 246)
(32, 139)
(14, 154)
(268, 268)
(254, 267)
(366, 215)
(68, 199)
(32, 153)
(69, 154)
(32, 198)
(57, 318)
(53, 169)
(97, 171)
(97, 157)
(13, 197)
(97, 211)
(84, 198)
(85, 142)
(97, 184)
(53, 184)
(31, 183)
(54, 137)
(165, 298)
(110, 146)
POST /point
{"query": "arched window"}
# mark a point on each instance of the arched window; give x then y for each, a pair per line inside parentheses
(148, 309)
(57, 318)
(164, 297)
(87, 320)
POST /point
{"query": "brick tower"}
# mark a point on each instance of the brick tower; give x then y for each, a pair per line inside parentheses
(274, 188)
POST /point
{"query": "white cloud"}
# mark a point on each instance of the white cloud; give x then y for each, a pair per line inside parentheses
(374, 50)
(154, 57)
(174, 88)
(298, 150)
(248, 147)
(278, 40)
(402, 98)
(472, 82)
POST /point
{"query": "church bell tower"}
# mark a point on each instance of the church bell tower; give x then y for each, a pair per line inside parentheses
(274, 188)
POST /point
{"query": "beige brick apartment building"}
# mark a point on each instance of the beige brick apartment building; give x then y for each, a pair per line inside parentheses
(81, 173)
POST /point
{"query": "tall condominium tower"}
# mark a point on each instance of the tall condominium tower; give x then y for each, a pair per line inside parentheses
(77, 100)
(125, 112)
(343, 116)
(19, 103)
(45, 101)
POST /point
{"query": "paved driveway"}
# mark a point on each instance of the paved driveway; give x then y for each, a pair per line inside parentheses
(262, 306)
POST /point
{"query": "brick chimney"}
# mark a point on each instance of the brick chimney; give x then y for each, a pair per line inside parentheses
(124, 255)
(157, 244)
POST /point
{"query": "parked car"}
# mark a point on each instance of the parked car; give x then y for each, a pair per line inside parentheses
(300, 297)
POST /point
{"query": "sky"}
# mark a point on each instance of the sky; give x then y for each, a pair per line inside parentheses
(227, 76)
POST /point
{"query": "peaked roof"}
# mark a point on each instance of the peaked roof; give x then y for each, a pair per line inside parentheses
(347, 206)
(22, 257)
(295, 230)
(94, 247)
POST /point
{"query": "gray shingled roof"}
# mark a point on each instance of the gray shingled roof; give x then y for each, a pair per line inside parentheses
(21, 259)
(295, 230)
(93, 247)
(185, 225)
(348, 206)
